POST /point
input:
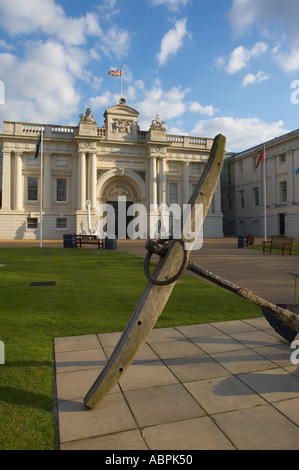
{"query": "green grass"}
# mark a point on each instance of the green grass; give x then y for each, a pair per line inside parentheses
(295, 249)
(95, 292)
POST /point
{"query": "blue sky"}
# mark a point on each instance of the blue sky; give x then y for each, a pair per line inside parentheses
(204, 66)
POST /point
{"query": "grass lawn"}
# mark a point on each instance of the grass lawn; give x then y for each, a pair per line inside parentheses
(96, 292)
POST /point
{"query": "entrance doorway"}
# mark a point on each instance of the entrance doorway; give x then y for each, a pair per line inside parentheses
(282, 224)
(123, 207)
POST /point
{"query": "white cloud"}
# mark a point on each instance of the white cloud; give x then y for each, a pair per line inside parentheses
(251, 79)
(241, 133)
(19, 17)
(168, 104)
(241, 56)
(116, 42)
(206, 110)
(173, 5)
(172, 41)
(42, 85)
(281, 18)
(105, 100)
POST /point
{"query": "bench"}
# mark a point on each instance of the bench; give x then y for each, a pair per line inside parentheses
(278, 243)
(249, 240)
(89, 240)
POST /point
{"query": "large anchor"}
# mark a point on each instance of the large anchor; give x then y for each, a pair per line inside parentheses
(173, 260)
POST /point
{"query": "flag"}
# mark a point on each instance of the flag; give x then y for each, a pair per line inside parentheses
(37, 146)
(115, 73)
(297, 171)
(259, 160)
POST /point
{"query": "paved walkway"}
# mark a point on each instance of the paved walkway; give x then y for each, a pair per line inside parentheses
(228, 385)
(220, 386)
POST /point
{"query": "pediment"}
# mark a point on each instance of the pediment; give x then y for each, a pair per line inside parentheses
(121, 110)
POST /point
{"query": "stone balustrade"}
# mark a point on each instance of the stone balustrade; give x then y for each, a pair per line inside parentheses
(67, 132)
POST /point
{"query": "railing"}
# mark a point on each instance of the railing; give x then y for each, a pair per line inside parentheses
(101, 131)
(187, 141)
(49, 130)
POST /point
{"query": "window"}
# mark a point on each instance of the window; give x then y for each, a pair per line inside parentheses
(61, 190)
(254, 163)
(61, 161)
(256, 197)
(282, 158)
(32, 189)
(172, 193)
(196, 168)
(31, 222)
(241, 168)
(242, 200)
(172, 166)
(61, 222)
(283, 191)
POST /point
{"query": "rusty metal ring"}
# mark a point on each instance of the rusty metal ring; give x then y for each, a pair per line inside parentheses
(152, 279)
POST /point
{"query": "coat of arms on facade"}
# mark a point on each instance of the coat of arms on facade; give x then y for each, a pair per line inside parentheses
(121, 127)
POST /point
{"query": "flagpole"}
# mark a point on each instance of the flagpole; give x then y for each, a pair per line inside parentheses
(265, 197)
(121, 82)
(41, 190)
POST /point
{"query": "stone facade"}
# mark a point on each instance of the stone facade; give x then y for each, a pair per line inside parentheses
(96, 164)
(243, 189)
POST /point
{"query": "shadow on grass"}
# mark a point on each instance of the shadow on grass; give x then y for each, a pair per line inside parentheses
(25, 398)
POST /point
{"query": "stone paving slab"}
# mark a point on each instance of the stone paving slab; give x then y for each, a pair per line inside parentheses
(226, 386)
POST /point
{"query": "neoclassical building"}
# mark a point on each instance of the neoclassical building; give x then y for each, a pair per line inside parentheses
(246, 189)
(96, 164)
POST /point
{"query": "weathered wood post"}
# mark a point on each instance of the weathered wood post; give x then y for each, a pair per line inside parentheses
(154, 297)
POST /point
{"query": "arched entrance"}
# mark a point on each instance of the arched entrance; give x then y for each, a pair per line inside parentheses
(120, 189)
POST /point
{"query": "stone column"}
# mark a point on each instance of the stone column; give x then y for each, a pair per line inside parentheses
(186, 191)
(153, 181)
(290, 162)
(82, 180)
(273, 180)
(6, 180)
(18, 203)
(75, 183)
(47, 182)
(93, 180)
(162, 180)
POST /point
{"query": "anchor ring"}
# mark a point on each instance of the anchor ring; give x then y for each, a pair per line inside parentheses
(165, 282)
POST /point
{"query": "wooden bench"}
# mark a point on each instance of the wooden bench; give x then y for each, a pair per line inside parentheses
(249, 240)
(278, 243)
(89, 240)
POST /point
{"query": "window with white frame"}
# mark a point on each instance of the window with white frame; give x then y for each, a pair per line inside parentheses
(32, 189)
(242, 200)
(241, 168)
(256, 197)
(61, 222)
(283, 192)
(61, 186)
(32, 223)
(172, 193)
